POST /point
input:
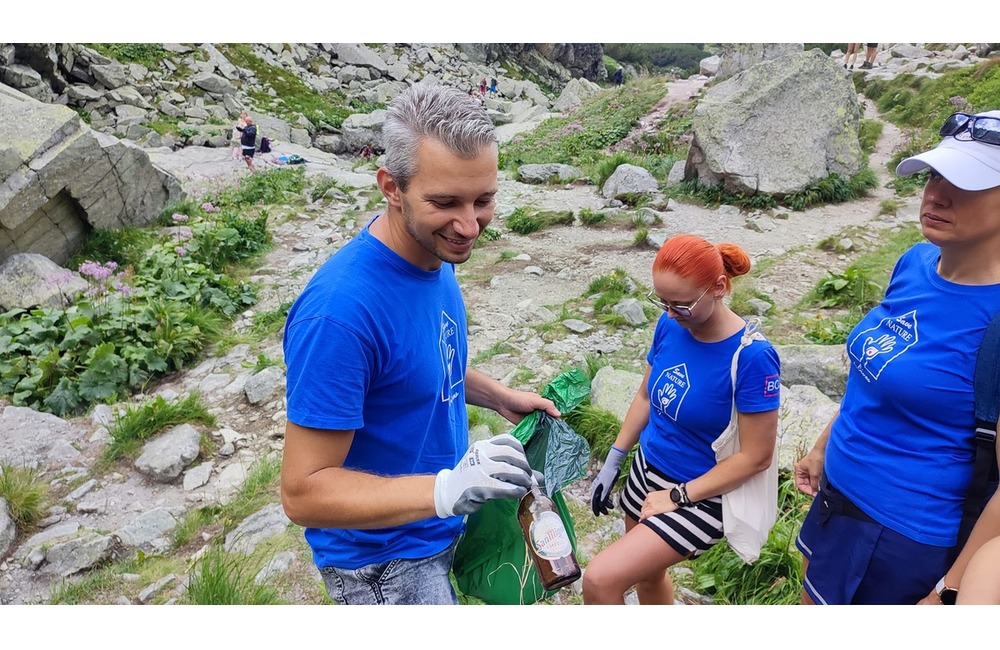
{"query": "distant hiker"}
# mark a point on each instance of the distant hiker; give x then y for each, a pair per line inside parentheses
(248, 140)
(619, 76)
(366, 151)
(237, 150)
(482, 86)
(493, 86)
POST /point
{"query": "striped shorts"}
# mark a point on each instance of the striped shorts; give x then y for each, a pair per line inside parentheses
(690, 531)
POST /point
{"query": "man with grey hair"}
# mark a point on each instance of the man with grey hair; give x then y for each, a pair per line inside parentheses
(377, 465)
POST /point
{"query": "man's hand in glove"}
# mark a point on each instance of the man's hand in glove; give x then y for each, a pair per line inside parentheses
(491, 469)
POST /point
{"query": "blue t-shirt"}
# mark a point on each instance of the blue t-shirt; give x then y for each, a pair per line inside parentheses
(902, 447)
(377, 345)
(691, 395)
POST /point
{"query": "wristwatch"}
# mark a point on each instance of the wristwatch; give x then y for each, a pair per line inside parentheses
(679, 496)
(945, 593)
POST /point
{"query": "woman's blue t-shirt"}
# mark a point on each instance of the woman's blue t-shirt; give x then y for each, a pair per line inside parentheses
(902, 446)
(691, 395)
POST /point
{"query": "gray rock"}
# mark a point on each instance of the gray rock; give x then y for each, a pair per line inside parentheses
(280, 563)
(29, 279)
(147, 527)
(822, 366)
(164, 458)
(548, 173)
(777, 127)
(629, 179)
(8, 531)
(263, 524)
(149, 592)
(84, 552)
(265, 384)
(803, 414)
(576, 325)
(632, 310)
(613, 390)
(197, 476)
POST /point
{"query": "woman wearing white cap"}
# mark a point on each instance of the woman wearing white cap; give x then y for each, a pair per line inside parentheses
(890, 471)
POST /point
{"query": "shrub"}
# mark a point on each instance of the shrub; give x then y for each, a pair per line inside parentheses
(223, 578)
(25, 492)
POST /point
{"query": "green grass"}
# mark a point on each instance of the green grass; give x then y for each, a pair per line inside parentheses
(26, 494)
(579, 139)
(775, 578)
(223, 578)
(139, 423)
(297, 98)
(258, 489)
(525, 220)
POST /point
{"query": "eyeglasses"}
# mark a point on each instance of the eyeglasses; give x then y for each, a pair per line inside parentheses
(680, 310)
(981, 129)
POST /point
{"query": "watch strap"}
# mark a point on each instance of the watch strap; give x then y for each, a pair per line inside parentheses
(945, 593)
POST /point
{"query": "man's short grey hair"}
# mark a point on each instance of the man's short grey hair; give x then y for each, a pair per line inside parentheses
(432, 111)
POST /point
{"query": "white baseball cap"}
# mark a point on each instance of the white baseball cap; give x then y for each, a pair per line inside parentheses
(967, 164)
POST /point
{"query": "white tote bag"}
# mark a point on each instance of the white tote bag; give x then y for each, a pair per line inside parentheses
(750, 510)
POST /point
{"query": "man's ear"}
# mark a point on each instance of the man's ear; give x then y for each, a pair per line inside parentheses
(390, 190)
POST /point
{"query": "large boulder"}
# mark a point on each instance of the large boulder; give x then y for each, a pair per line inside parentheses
(737, 57)
(29, 279)
(777, 127)
(59, 179)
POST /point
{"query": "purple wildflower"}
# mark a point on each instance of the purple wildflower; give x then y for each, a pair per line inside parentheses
(180, 250)
(179, 218)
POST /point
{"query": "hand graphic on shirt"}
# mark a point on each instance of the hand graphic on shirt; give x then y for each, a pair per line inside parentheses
(881, 345)
(666, 395)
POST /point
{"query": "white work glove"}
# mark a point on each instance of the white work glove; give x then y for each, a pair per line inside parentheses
(600, 490)
(491, 469)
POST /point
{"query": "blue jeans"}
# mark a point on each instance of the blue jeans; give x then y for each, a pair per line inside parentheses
(423, 581)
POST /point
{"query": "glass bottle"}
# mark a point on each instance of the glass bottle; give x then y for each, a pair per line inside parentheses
(546, 539)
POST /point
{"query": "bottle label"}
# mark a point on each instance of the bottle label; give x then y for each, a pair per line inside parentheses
(548, 536)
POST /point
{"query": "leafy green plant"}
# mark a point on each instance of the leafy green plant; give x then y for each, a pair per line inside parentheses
(640, 237)
(25, 492)
(140, 422)
(830, 331)
(850, 288)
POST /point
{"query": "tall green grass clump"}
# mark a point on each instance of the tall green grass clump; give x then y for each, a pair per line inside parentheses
(223, 578)
(25, 492)
(140, 422)
(776, 577)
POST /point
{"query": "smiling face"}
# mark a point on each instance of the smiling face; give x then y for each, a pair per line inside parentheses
(950, 216)
(448, 203)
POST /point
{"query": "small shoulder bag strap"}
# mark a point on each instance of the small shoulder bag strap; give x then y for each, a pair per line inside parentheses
(751, 333)
(986, 385)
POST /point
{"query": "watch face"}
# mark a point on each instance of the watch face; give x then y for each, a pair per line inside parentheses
(675, 496)
(948, 596)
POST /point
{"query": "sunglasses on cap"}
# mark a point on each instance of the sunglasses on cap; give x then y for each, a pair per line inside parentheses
(980, 128)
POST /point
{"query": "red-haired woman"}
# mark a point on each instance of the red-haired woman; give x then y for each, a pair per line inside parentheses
(672, 500)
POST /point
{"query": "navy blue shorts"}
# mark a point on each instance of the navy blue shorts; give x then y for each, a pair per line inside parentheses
(854, 560)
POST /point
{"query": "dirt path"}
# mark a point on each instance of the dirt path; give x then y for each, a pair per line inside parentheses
(501, 293)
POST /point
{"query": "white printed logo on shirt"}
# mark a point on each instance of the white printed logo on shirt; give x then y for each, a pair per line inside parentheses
(874, 348)
(452, 366)
(669, 390)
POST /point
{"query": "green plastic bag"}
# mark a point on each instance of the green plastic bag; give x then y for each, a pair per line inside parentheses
(491, 561)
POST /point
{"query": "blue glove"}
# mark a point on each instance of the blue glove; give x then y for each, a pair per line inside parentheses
(491, 469)
(600, 491)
